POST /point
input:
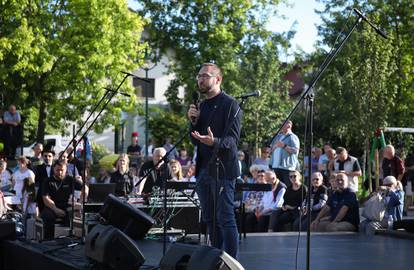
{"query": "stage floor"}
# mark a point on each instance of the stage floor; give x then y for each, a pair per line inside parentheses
(267, 251)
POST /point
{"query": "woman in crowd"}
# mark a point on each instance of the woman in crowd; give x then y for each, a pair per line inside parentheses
(176, 170)
(19, 176)
(394, 199)
(183, 158)
(319, 196)
(293, 198)
(5, 176)
(121, 177)
(252, 201)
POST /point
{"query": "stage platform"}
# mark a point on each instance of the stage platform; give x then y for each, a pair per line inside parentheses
(265, 251)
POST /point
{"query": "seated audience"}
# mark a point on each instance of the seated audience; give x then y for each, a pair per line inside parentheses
(154, 172)
(43, 172)
(121, 176)
(252, 201)
(319, 196)
(176, 170)
(19, 176)
(264, 157)
(293, 199)
(342, 208)
(394, 199)
(5, 176)
(56, 192)
(103, 177)
(271, 201)
(36, 159)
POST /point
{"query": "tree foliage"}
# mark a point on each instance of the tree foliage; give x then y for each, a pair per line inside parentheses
(233, 35)
(369, 84)
(56, 57)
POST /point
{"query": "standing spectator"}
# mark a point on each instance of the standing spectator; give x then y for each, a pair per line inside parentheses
(315, 154)
(285, 153)
(264, 157)
(342, 208)
(5, 176)
(168, 146)
(29, 198)
(43, 172)
(392, 164)
(323, 159)
(11, 120)
(19, 176)
(36, 159)
(134, 150)
(293, 198)
(242, 165)
(247, 156)
(319, 196)
(184, 158)
(350, 165)
(408, 181)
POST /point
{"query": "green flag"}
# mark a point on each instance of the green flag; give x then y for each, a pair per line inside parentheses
(377, 142)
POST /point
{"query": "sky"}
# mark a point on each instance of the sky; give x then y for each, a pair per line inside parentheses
(301, 11)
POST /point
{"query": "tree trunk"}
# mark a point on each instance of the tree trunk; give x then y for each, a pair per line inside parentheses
(41, 124)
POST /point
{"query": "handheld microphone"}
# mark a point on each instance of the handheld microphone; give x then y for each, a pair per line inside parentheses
(379, 32)
(252, 94)
(196, 99)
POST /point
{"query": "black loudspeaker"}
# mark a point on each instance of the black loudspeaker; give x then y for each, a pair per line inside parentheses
(112, 248)
(191, 257)
(177, 257)
(132, 221)
(406, 224)
(209, 258)
(7, 230)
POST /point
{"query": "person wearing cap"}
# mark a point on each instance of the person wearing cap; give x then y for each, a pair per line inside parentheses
(342, 208)
(134, 150)
(43, 172)
(394, 199)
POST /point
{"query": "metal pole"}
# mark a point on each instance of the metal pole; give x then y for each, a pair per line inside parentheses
(146, 114)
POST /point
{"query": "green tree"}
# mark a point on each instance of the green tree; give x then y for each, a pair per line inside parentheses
(56, 57)
(366, 86)
(232, 34)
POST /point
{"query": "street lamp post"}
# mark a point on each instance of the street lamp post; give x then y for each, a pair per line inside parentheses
(150, 63)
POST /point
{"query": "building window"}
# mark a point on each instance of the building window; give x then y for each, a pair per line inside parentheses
(143, 88)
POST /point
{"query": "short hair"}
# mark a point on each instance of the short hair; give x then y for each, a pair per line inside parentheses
(391, 148)
(216, 67)
(319, 174)
(161, 150)
(59, 163)
(340, 150)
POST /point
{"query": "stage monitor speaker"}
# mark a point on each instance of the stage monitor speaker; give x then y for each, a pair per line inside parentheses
(209, 258)
(192, 257)
(177, 257)
(7, 230)
(406, 224)
(112, 248)
(132, 221)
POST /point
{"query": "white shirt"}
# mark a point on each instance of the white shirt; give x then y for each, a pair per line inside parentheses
(19, 177)
(5, 178)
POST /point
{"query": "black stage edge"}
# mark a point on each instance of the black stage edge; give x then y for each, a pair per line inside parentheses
(265, 251)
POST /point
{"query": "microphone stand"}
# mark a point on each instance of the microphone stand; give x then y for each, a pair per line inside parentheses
(216, 159)
(310, 102)
(84, 135)
(164, 185)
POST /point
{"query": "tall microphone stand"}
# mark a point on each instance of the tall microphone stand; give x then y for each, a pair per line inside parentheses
(164, 160)
(84, 135)
(308, 96)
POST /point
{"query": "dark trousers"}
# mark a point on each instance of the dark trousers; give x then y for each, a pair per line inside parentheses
(303, 221)
(263, 223)
(279, 218)
(283, 175)
(50, 219)
(225, 233)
